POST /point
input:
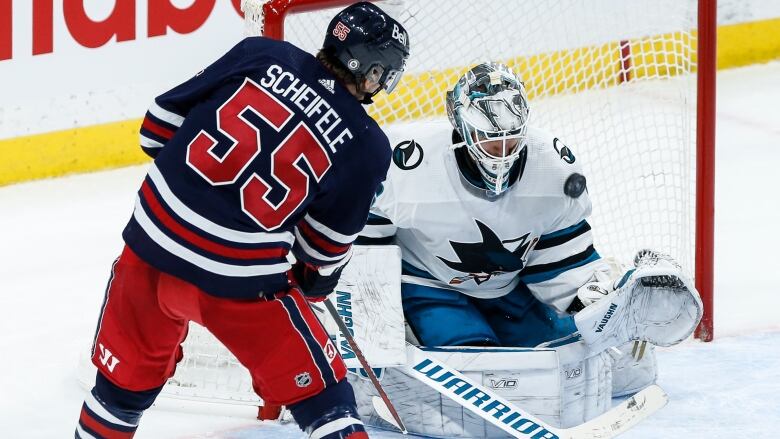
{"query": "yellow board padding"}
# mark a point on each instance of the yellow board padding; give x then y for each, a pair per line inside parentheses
(748, 43)
(548, 74)
(116, 144)
(70, 151)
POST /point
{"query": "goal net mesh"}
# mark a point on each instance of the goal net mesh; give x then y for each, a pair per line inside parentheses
(613, 79)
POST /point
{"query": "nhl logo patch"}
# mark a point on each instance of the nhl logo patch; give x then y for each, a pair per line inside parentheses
(303, 379)
(408, 155)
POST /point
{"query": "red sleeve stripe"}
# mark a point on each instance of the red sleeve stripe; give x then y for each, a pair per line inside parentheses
(319, 241)
(156, 129)
(218, 249)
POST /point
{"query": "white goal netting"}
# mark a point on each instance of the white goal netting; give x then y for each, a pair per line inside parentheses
(613, 78)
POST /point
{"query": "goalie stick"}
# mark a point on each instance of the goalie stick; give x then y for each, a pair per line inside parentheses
(366, 367)
(517, 422)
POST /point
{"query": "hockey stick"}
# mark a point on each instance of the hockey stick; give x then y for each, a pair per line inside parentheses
(366, 367)
(517, 422)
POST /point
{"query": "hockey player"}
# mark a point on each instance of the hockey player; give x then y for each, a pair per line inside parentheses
(491, 218)
(265, 152)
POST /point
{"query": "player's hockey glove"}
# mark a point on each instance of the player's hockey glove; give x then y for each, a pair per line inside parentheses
(315, 285)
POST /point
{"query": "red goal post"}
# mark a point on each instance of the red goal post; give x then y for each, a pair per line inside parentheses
(705, 163)
(679, 43)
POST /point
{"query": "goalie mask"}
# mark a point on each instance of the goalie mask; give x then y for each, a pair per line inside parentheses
(489, 110)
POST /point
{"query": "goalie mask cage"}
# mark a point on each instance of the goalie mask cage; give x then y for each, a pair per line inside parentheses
(616, 80)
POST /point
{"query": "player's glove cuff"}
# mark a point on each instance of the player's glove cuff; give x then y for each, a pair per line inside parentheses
(312, 283)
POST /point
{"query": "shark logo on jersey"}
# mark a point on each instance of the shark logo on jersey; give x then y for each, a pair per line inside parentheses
(408, 155)
(563, 151)
(483, 260)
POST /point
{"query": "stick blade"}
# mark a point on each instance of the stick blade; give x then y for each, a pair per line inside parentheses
(623, 417)
(381, 409)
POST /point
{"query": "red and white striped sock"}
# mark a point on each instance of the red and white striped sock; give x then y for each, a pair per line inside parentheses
(95, 422)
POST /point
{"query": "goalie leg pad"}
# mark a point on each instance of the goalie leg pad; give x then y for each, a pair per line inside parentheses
(655, 302)
(586, 381)
(630, 375)
(558, 386)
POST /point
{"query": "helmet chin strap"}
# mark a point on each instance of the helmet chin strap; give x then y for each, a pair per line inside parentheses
(367, 96)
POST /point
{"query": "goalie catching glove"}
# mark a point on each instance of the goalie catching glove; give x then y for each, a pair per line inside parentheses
(654, 302)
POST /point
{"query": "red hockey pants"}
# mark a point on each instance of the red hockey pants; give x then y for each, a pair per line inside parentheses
(145, 318)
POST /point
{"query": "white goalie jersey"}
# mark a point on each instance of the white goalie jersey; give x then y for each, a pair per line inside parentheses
(454, 236)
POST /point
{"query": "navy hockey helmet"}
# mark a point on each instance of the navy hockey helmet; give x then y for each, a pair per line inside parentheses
(369, 43)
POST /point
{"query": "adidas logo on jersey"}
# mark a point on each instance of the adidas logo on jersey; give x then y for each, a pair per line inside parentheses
(329, 84)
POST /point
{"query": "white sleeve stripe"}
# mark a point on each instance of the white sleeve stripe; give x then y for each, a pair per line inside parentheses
(378, 231)
(83, 434)
(101, 411)
(201, 261)
(554, 254)
(165, 115)
(334, 426)
(327, 270)
(206, 225)
(330, 233)
(300, 240)
(150, 143)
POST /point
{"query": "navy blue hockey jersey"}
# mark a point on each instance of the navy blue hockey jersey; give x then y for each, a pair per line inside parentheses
(261, 153)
